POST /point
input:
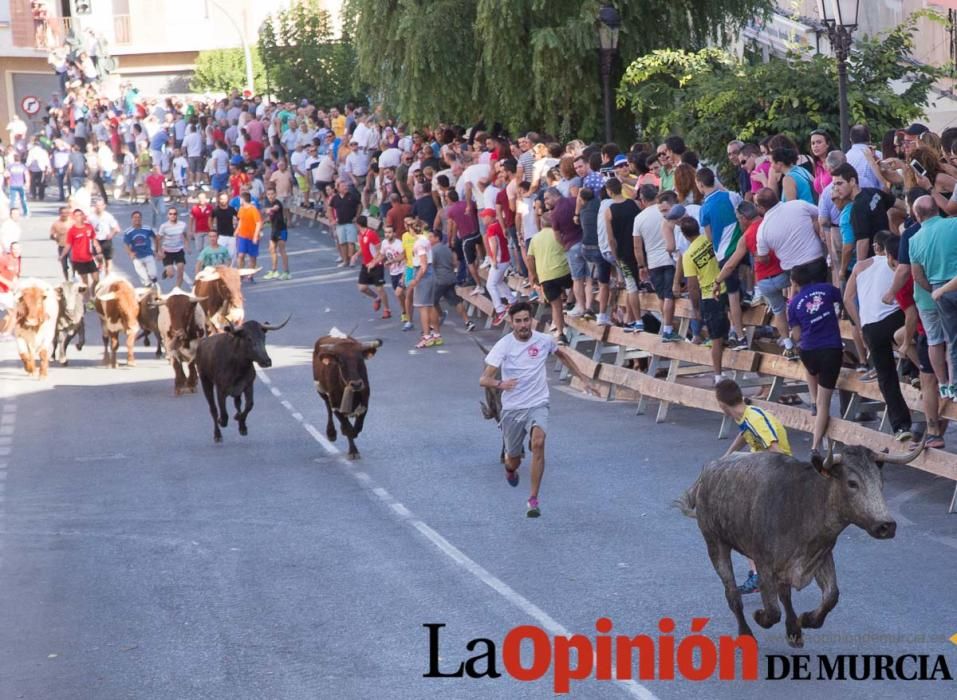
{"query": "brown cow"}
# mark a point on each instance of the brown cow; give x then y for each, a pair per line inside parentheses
(339, 371)
(222, 294)
(182, 322)
(118, 308)
(149, 316)
(36, 311)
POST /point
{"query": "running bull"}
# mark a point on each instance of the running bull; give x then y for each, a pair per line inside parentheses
(220, 288)
(70, 322)
(786, 515)
(225, 363)
(36, 310)
(119, 309)
(149, 301)
(339, 370)
(181, 322)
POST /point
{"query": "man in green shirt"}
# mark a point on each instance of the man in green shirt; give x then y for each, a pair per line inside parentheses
(548, 267)
(213, 254)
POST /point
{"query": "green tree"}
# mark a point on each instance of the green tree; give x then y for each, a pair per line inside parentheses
(711, 97)
(523, 63)
(305, 59)
(222, 70)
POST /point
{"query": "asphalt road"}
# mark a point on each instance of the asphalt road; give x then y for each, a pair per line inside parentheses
(140, 560)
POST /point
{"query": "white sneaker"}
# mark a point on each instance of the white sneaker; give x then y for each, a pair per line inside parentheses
(718, 378)
(478, 291)
(486, 264)
(603, 320)
(577, 312)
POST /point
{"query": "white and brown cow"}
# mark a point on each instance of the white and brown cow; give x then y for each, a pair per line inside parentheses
(182, 323)
(36, 310)
(118, 307)
(220, 288)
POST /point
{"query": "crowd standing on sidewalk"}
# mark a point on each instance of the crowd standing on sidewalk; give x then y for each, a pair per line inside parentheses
(814, 232)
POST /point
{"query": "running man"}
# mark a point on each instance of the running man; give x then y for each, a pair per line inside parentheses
(142, 245)
(372, 271)
(81, 244)
(278, 234)
(58, 232)
(521, 357)
(175, 244)
(106, 227)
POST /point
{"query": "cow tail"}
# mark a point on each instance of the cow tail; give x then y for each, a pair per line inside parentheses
(688, 500)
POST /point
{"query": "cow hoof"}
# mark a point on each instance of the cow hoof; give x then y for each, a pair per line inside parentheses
(765, 620)
(796, 641)
(353, 456)
(243, 430)
(191, 389)
(79, 346)
(217, 438)
(130, 364)
(224, 421)
(64, 363)
(177, 391)
(331, 435)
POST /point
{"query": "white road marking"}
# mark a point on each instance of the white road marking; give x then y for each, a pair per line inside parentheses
(547, 622)
(275, 391)
(297, 415)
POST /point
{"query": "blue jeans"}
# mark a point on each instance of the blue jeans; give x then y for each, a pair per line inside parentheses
(948, 318)
(21, 192)
(61, 182)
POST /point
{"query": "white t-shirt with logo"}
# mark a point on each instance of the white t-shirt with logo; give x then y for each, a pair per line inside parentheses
(104, 224)
(171, 235)
(526, 363)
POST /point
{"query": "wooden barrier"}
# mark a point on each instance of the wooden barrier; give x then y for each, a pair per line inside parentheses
(617, 381)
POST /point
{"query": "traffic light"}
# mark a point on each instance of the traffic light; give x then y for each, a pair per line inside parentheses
(82, 7)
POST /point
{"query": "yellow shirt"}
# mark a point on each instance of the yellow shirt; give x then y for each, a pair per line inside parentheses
(699, 261)
(551, 261)
(761, 429)
(339, 125)
(408, 243)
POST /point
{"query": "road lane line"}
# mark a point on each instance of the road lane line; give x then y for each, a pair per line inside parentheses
(512, 596)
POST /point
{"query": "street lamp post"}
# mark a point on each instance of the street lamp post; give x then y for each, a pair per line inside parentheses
(840, 20)
(247, 54)
(609, 22)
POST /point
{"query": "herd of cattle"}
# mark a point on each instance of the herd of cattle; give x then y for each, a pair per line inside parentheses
(205, 337)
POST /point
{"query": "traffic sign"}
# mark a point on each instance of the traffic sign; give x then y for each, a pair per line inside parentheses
(30, 105)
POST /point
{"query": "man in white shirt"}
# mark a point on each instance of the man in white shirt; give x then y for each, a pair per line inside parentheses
(521, 357)
(864, 160)
(791, 230)
(193, 147)
(106, 227)
(654, 244)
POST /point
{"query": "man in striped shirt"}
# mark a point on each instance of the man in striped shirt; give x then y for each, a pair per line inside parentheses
(758, 428)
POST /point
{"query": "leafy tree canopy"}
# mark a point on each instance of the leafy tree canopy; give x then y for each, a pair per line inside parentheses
(223, 70)
(711, 97)
(522, 63)
(304, 59)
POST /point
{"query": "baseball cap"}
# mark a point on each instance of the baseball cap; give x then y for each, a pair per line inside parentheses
(916, 129)
(620, 159)
(677, 211)
(487, 212)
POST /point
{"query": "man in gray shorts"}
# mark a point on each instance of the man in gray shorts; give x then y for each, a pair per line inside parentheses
(521, 356)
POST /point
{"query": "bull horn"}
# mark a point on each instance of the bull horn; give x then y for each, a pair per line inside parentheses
(372, 344)
(248, 271)
(270, 327)
(906, 458)
(196, 300)
(106, 296)
(831, 459)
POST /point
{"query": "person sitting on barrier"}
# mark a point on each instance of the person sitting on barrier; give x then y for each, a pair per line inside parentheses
(813, 316)
(708, 297)
(757, 428)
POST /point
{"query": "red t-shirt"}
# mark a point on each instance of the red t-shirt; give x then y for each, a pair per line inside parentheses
(80, 239)
(253, 150)
(494, 230)
(905, 299)
(10, 268)
(501, 199)
(155, 184)
(368, 245)
(236, 183)
(763, 270)
(201, 216)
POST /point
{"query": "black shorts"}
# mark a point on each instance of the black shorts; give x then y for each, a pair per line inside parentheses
(825, 364)
(923, 354)
(170, 259)
(663, 279)
(468, 247)
(817, 271)
(398, 280)
(84, 268)
(374, 277)
(553, 288)
(714, 314)
(447, 292)
(733, 283)
(106, 247)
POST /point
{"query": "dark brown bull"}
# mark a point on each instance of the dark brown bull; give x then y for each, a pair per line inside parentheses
(149, 317)
(36, 310)
(116, 304)
(339, 370)
(225, 362)
(182, 322)
(786, 515)
(70, 322)
(220, 288)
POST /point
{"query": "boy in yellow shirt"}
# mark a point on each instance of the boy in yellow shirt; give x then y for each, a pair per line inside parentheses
(761, 430)
(701, 269)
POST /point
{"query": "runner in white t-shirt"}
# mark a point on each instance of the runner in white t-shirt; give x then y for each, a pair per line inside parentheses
(521, 357)
(174, 243)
